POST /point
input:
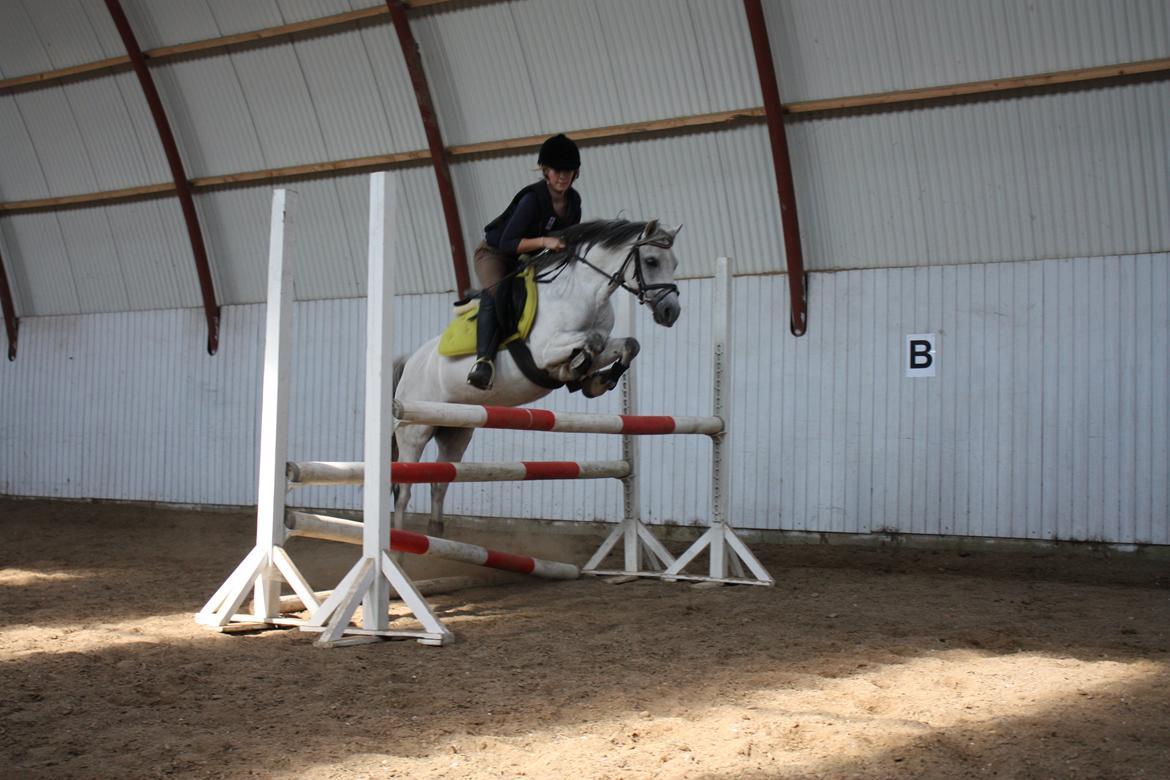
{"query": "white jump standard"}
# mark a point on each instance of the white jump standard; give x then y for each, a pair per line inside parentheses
(728, 553)
(369, 582)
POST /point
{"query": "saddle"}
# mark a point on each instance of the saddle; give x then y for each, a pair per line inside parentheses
(516, 300)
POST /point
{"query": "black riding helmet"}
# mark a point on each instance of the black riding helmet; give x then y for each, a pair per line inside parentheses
(559, 153)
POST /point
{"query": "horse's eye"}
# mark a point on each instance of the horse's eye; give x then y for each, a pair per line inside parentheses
(652, 262)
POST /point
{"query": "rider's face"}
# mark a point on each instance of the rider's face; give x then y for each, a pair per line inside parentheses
(558, 181)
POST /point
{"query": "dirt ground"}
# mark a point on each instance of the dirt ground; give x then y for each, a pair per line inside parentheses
(860, 662)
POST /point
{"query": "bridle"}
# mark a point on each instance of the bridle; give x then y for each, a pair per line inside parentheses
(618, 278)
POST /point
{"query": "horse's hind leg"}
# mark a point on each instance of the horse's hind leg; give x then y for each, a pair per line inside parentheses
(411, 441)
(452, 443)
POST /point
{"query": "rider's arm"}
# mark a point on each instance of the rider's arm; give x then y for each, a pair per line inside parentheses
(527, 245)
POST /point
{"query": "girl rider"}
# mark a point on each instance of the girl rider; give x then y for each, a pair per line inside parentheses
(546, 206)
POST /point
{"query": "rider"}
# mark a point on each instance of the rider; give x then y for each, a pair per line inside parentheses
(546, 206)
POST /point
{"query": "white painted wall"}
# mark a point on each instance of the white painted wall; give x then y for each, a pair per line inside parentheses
(1049, 417)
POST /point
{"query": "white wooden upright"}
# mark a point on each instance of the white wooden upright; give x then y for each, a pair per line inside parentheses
(727, 550)
(369, 582)
(638, 544)
(643, 555)
(263, 569)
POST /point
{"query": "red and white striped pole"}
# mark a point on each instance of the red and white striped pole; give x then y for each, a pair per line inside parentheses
(327, 473)
(520, 419)
(337, 530)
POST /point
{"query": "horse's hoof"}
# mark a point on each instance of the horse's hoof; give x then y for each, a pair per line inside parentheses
(580, 361)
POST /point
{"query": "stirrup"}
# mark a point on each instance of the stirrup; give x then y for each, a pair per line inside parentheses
(482, 374)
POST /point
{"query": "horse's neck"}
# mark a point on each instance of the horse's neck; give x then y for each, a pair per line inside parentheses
(583, 283)
(578, 298)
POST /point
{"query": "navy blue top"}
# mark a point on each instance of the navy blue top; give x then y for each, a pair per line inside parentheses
(531, 215)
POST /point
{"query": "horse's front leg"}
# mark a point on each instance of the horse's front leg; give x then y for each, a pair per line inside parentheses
(569, 357)
(618, 354)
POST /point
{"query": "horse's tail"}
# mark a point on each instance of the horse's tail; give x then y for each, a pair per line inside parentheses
(399, 367)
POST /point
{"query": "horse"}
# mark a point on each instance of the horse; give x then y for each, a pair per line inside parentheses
(570, 339)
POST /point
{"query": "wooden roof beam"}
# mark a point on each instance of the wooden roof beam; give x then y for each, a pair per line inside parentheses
(181, 183)
(781, 166)
(438, 153)
(325, 25)
(11, 321)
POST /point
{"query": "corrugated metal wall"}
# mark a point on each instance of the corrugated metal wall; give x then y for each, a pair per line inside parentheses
(1030, 233)
(1073, 174)
(1048, 419)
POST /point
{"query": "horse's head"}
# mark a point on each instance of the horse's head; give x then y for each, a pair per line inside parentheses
(654, 269)
(636, 256)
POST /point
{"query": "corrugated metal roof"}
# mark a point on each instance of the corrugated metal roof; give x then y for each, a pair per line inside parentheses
(832, 48)
(210, 116)
(58, 140)
(113, 258)
(167, 22)
(77, 138)
(20, 171)
(502, 70)
(328, 98)
(1056, 175)
(329, 257)
(50, 34)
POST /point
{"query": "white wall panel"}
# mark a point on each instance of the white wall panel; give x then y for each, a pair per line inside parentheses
(1049, 417)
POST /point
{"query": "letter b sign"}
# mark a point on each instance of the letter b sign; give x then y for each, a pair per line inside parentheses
(921, 355)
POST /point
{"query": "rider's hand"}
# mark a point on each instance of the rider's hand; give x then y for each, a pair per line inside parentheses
(553, 243)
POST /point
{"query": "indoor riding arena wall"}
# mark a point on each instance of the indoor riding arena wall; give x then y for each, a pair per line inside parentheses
(1046, 417)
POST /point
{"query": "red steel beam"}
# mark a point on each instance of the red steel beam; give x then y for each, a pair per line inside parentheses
(11, 321)
(426, 110)
(774, 114)
(182, 183)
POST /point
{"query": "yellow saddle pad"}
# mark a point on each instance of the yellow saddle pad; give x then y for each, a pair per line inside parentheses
(459, 337)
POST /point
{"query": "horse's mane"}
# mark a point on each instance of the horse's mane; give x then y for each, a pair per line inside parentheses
(610, 233)
(580, 238)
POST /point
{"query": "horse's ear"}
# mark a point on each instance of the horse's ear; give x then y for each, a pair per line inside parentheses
(673, 231)
(651, 227)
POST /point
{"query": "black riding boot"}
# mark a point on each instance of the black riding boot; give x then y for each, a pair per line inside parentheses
(487, 341)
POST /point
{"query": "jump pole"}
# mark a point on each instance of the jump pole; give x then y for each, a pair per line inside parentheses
(336, 529)
(728, 553)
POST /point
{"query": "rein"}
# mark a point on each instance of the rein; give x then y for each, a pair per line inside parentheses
(617, 278)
